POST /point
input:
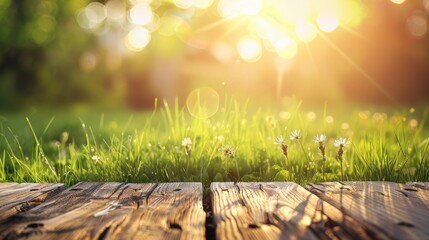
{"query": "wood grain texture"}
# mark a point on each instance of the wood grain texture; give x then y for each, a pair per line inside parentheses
(20, 197)
(114, 211)
(389, 210)
(421, 191)
(277, 210)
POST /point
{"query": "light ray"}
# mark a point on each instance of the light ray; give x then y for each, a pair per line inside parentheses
(353, 32)
(310, 54)
(313, 61)
(359, 69)
(231, 29)
(279, 83)
(214, 24)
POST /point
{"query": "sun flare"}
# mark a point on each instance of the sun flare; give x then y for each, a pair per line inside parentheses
(277, 26)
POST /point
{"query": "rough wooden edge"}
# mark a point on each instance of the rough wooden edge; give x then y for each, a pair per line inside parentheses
(25, 196)
(377, 231)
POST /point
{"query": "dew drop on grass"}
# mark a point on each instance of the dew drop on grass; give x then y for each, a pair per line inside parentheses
(203, 103)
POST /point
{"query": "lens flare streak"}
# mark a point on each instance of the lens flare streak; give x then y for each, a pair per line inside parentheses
(370, 79)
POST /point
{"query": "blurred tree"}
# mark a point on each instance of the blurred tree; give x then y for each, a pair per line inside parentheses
(39, 56)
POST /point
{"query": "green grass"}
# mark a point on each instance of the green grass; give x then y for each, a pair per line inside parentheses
(146, 147)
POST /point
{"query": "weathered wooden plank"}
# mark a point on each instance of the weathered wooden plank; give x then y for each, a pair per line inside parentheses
(393, 210)
(277, 210)
(173, 211)
(114, 211)
(422, 185)
(20, 197)
(7, 185)
(421, 191)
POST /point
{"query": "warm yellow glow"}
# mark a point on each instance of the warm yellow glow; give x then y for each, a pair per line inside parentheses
(262, 27)
(327, 22)
(141, 14)
(137, 39)
(229, 8)
(203, 4)
(251, 7)
(184, 3)
(232, 8)
(222, 52)
(286, 47)
(398, 1)
(154, 23)
(306, 31)
(134, 2)
(115, 10)
(293, 10)
(169, 24)
(249, 49)
(275, 25)
(311, 116)
(351, 13)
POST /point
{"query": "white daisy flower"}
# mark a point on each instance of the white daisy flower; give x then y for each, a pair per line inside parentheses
(228, 151)
(279, 140)
(320, 138)
(296, 134)
(96, 158)
(186, 142)
(341, 142)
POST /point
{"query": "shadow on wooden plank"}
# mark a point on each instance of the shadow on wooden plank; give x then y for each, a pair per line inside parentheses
(20, 197)
(277, 210)
(393, 210)
(114, 211)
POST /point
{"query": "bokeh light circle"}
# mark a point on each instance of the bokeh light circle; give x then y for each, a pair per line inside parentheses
(249, 49)
(306, 31)
(141, 14)
(327, 22)
(417, 25)
(203, 103)
(138, 38)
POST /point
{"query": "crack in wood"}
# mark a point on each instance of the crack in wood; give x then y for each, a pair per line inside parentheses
(403, 192)
(122, 192)
(104, 234)
(150, 193)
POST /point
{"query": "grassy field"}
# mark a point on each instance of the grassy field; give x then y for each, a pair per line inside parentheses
(237, 144)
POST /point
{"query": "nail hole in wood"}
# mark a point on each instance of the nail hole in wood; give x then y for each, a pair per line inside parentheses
(253, 225)
(177, 189)
(35, 225)
(76, 189)
(175, 226)
(405, 224)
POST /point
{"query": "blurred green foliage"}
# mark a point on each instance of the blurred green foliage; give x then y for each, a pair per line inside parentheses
(39, 56)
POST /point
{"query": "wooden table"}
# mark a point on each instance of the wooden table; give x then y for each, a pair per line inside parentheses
(272, 210)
